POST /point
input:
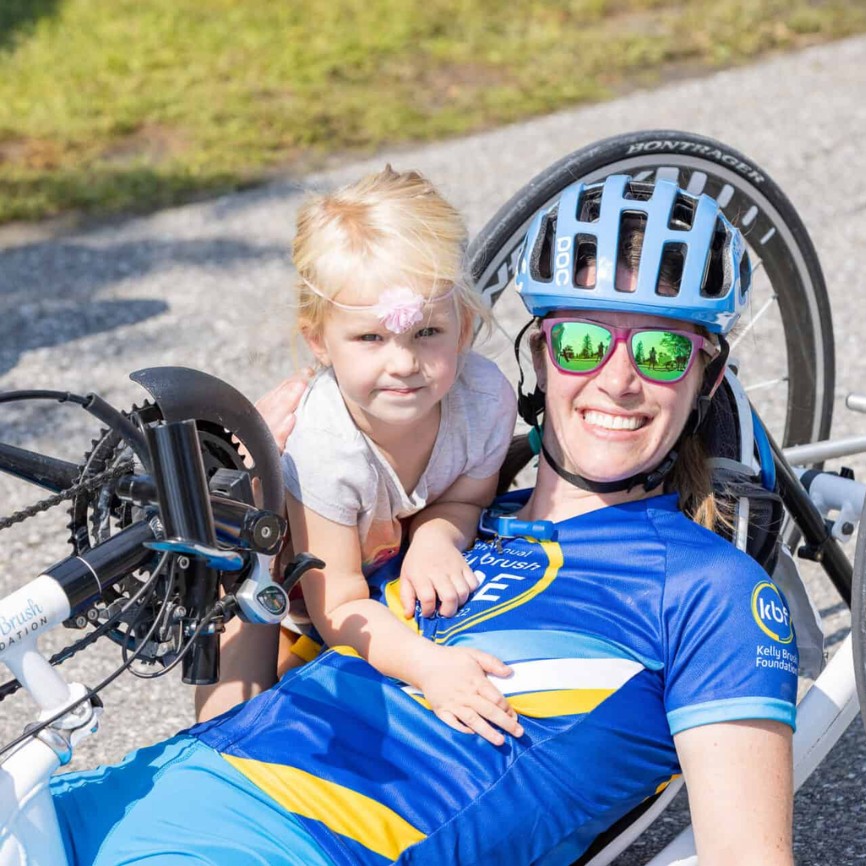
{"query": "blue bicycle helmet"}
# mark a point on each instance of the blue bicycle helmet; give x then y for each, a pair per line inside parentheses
(687, 236)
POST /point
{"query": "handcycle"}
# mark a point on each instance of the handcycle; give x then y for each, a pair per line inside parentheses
(166, 594)
(164, 514)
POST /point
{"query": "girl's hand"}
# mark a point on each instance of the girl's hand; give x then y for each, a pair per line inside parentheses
(278, 406)
(434, 569)
(454, 682)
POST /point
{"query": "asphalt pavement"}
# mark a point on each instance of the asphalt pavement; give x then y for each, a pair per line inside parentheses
(208, 286)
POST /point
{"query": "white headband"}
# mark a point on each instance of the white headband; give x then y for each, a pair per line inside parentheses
(396, 309)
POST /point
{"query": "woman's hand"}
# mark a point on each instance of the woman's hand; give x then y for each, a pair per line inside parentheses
(278, 406)
(434, 569)
(454, 682)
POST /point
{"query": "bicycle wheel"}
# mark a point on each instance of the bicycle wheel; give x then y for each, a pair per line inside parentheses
(785, 342)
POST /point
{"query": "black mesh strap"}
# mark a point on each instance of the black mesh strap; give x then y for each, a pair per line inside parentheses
(712, 377)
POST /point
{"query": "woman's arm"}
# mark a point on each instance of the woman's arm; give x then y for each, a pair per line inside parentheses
(740, 782)
(278, 406)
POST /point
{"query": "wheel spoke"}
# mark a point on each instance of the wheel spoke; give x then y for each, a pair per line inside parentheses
(773, 299)
(767, 383)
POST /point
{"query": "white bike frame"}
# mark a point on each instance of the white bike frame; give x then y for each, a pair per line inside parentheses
(29, 830)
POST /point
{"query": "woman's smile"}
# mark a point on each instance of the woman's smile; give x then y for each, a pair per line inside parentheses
(618, 422)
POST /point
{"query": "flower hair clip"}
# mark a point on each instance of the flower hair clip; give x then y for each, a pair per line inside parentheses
(397, 309)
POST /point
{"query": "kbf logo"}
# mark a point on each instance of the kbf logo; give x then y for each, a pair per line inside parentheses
(771, 613)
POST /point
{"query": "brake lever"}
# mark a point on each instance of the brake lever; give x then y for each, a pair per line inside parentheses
(297, 568)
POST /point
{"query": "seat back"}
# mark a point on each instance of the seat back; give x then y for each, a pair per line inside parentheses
(743, 474)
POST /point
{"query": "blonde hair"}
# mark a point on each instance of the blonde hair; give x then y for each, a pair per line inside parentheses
(388, 230)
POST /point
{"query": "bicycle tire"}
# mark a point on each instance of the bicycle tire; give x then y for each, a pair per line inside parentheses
(774, 231)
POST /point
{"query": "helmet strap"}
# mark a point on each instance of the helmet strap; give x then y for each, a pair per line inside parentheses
(649, 480)
(529, 406)
(713, 376)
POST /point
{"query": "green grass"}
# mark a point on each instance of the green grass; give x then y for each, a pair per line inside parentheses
(131, 105)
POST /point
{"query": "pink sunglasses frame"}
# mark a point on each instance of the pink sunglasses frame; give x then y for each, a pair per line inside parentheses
(623, 335)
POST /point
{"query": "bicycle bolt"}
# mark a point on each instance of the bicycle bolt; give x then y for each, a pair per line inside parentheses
(183, 562)
(80, 621)
(266, 532)
(847, 528)
(93, 614)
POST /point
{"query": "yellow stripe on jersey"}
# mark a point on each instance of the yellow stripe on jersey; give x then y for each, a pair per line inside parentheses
(306, 648)
(548, 705)
(351, 652)
(392, 600)
(665, 784)
(554, 563)
(564, 702)
(367, 821)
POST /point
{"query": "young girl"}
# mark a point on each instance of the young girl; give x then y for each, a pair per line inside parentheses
(399, 438)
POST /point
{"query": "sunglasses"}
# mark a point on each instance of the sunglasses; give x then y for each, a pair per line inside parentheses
(580, 347)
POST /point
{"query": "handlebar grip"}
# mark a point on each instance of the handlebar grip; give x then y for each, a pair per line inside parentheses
(181, 484)
(856, 402)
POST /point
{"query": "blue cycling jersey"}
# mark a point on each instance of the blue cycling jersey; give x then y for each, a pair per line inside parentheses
(629, 625)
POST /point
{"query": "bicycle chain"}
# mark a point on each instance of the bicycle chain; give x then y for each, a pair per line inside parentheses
(87, 486)
(65, 495)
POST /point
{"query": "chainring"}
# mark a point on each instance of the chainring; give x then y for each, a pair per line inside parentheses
(95, 515)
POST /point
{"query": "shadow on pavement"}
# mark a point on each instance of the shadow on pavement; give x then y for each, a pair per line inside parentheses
(64, 307)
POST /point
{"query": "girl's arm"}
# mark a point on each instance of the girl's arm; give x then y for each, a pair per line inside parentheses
(434, 566)
(338, 602)
(248, 666)
(740, 782)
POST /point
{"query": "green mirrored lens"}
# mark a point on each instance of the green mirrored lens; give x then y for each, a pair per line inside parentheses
(579, 347)
(662, 356)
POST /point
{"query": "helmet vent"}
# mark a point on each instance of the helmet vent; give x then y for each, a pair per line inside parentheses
(589, 208)
(638, 191)
(541, 260)
(717, 279)
(585, 257)
(631, 237)
(671, 270)
(745, 275)
(682, 214)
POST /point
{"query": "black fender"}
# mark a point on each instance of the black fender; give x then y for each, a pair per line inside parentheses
(183, 394)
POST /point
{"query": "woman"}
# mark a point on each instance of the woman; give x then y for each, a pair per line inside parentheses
(632, 632)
